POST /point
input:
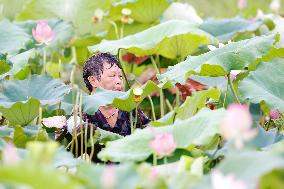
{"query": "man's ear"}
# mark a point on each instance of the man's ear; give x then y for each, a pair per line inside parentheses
(93, 81)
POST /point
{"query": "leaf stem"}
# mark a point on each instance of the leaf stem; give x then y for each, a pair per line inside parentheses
(115, 28)
(152, 107)
(233, 90)
(161, 90)
(92, 143)
(227, 87)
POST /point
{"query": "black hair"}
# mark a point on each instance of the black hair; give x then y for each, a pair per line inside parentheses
(94, 66)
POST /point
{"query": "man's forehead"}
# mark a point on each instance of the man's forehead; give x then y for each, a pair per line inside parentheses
(110, 67)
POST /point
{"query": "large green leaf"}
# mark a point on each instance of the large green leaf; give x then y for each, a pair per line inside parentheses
(11, 8)
(122, 100)
(265, 83)
(22, 136)
(79, 12)
(20, 62)
(226, 29)
(21, 113)
(219, 62)
(197, 130)
(166, 39)
(249, 166)
(43, 88)
(143, 11)
(5, 64)
(197, 101)
(35, 175)
(93, 174)
(12, 38)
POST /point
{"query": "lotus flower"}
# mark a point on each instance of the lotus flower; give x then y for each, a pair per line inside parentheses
(153, 173)
(43, 32)
(163, 145)
(236, 125)
(219, 181)
(242, 4)
(56, 121)
(9, 154)
(108, 178)
(274, 114)
(234, 73)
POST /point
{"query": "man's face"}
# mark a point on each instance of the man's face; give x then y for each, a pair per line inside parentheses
(111, 78)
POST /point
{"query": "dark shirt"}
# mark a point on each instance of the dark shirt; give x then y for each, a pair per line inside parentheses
(122, 125)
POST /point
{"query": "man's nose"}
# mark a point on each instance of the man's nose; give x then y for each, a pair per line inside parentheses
(118, 80)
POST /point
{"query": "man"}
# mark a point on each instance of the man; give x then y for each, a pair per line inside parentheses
(103, 70)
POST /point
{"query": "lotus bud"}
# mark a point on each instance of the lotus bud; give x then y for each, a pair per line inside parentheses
(98, 16)
(9, 154)
(163, 145)
(125, 19)
(137, 92)
(108, 178)
(242, 4)
(220, 181)
(274, 114)
(236, 125)
(43, 32)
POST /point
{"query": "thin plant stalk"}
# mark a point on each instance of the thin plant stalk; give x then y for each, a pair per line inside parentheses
(169, 105)
(115, 28)
(75, 113)
(154, 159)
(136, 115)
(152, 107)
(86, 137)
(131, 122)
(233, 90)
(40, 115)
(44, 61)
(161, 90)
(92, 143)
(59, 68)
(81, 123)
(122, 31)
(165, 160)
(227, 87)
(177, 98)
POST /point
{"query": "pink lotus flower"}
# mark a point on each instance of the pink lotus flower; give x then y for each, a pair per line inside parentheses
(9, 154)
(236, 125)
(163, 145)
(242, 4)
(43, 32)
(153, 173)
(108, 178)
(220, 181)
(274, 114)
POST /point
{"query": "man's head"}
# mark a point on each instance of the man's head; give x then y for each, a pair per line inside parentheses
(103, 70)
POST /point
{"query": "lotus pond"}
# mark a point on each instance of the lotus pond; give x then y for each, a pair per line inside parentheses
(209, 75)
